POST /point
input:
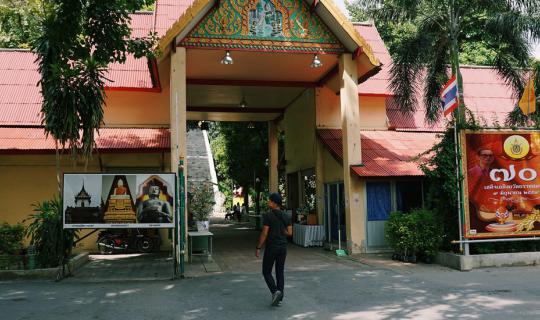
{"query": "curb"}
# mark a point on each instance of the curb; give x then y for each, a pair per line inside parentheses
(467, 263)
(73, 264)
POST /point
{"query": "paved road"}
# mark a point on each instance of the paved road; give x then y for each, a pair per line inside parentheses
(361, 292)
(322, 286)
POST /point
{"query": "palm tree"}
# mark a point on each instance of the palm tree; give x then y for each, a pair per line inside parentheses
(505, 27)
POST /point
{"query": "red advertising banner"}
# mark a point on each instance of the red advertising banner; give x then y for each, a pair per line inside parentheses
(502, 187)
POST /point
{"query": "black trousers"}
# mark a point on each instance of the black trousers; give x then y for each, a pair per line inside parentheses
(274, 255)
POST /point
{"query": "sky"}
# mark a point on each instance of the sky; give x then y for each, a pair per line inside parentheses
(341, 5)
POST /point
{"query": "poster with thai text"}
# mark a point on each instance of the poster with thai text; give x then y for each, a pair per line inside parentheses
(502, 187)
(119, 200)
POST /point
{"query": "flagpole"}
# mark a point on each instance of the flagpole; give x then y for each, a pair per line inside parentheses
(458, 178)
(464, 247)
(459, 120)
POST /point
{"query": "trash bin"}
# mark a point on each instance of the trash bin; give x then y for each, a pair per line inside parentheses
(31, 257)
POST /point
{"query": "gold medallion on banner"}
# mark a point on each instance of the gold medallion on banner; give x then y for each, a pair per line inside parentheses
(516, 147)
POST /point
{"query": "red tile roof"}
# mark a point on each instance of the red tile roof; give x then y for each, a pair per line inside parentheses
(20, 97)
(142, 23)
(378, 84)
(167, 12)
(384, 153)
(485, 94)
(33, 140)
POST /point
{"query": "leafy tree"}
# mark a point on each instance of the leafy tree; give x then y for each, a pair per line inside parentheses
(440, 172)
(77, 41)
(442, 29)
(241, 156)
(19, 22)
(393, 33)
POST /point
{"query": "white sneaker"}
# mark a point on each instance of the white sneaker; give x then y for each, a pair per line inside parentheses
(276, 298)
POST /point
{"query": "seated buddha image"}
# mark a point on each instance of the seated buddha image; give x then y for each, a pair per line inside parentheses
(120, 189)
(153, 209)
(119, 204)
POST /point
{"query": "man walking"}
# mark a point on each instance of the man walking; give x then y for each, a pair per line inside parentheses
(276, 228)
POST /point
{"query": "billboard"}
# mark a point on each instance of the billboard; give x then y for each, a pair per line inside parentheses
(501, 186)
(119, 200)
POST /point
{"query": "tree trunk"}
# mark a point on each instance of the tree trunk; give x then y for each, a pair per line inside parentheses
(258, 197)
(246, 198)
(58, 173)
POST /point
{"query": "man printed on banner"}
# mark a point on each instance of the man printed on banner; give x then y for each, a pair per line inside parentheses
(483, 201)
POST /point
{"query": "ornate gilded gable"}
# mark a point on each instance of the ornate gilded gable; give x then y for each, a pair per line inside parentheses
(282, 25)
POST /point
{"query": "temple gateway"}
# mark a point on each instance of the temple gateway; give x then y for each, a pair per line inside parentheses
(298, 65)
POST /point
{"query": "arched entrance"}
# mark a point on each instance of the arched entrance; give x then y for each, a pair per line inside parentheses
(267, 60)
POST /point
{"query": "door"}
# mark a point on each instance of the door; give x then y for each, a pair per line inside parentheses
(335, 212)
(379, 205)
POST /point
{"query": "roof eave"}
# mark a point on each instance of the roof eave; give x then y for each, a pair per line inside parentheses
(187, 21)
(344, 30)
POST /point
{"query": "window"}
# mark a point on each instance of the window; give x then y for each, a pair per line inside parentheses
(409, 195)
(386, 196)
(309, 190)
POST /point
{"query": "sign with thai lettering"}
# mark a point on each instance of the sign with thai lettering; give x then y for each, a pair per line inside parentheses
(502, 189)
(119, 200)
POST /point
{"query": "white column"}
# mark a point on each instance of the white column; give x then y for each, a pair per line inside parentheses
(178, 107)
(178, 102)
(352, 154)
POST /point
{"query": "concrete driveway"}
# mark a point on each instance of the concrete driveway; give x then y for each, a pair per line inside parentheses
(319, 285)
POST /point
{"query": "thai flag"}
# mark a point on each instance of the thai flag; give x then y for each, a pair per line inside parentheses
(449, 96)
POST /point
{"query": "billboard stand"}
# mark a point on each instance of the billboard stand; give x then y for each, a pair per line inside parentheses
(121, 201)
(458, 182)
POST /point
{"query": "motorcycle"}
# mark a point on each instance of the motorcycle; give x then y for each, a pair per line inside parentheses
(111, 241)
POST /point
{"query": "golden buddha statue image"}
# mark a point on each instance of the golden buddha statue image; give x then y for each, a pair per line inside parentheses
(120, 208)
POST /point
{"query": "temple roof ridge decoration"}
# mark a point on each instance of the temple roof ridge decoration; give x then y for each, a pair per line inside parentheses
(332, 21)
(263, 25)
(83, 194)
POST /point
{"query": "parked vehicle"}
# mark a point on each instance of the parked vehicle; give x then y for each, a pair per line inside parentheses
(128, 240)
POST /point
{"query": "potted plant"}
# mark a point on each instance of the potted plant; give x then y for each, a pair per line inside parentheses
(52, 243)
(11, 237)
(201, 204)
(412, 233)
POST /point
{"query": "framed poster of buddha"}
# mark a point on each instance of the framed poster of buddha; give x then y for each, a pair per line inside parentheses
(119, 200)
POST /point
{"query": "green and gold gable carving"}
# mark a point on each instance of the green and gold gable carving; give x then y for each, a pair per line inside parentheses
(282, 25)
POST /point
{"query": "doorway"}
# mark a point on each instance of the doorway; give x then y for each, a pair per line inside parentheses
(379, 206)
(334, 213)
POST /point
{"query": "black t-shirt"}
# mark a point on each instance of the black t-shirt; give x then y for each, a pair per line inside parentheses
(278, 222)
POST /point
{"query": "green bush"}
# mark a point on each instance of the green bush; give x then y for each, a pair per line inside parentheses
(11, 237)
(201, 201)
(416, 233)
(51, 241)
